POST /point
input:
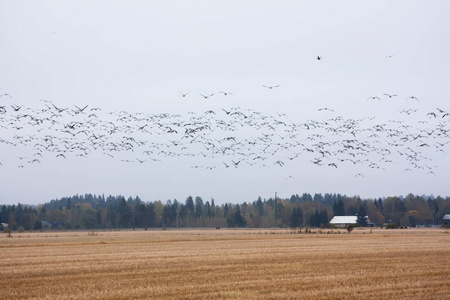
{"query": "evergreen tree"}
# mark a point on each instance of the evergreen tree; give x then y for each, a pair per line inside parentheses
(361, 216)
(37, 225)
(235, 219)
(99, 216)
(198, 207)
(340, 209)
(189, 203)
(213, 208)
(380, 205)
(149, 216)
(124, 214)
(238, 219)
(111, 215)
(225, 210)
(324, 218)
(207, 210)
(295, 221)
(260, 206)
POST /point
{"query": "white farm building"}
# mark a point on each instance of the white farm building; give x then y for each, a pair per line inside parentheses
(343, 220)
(346, 220)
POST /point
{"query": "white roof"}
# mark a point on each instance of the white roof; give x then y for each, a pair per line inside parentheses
(343, 220)
(446, 217)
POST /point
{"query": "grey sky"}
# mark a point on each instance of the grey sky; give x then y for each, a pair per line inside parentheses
(137, 55)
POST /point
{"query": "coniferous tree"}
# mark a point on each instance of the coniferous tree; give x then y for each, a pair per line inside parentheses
(340, 209)
(225, 210)
(260, 206)
(213, 208)
(190, 205)
(198, 207)
(111, 215)
(207, 210)
(361, 216)
(295, 220)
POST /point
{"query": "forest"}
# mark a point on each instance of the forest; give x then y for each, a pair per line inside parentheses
(115, 212)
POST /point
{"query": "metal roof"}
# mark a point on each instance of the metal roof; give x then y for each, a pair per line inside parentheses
(343, 220)
(446, 217)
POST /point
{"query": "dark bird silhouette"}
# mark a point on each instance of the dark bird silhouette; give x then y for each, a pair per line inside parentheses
(319, 57)
(205, 96)
(271, 86)
(390, 95)
(325, 108)
(412, 97)
(5, 94)
(374, 98)
(16, 107)
(81, 110)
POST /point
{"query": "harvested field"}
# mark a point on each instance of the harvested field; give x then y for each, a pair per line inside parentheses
(226, 264)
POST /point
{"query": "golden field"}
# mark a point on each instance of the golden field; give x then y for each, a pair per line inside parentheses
(226, 264)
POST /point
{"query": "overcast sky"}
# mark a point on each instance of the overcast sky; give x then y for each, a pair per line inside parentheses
(136, 56)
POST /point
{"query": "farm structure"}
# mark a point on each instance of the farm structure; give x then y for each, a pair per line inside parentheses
(347, 220)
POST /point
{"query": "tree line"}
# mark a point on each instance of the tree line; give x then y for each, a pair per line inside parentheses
(113, 212)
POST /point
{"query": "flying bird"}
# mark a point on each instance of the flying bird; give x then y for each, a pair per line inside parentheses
(390, 95)
(325, 108)
(319, 57)
(5, 94)
(206, 97)
(271, 86)
(374, 98)
(412, 97)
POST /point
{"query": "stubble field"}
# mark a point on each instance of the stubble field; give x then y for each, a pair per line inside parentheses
(226, 264)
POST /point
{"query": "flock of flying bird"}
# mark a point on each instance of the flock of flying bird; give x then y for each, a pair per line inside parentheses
(227, 138)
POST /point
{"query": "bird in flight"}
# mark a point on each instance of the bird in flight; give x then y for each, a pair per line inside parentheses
(390, 95)
(81, 110)
(5, 94)
(206, 97)
(374, 98)
(412, 97)
(183, 94)
(271, 86)
(319, 57)
(226, 93)
(16, 108)
(325, 108)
